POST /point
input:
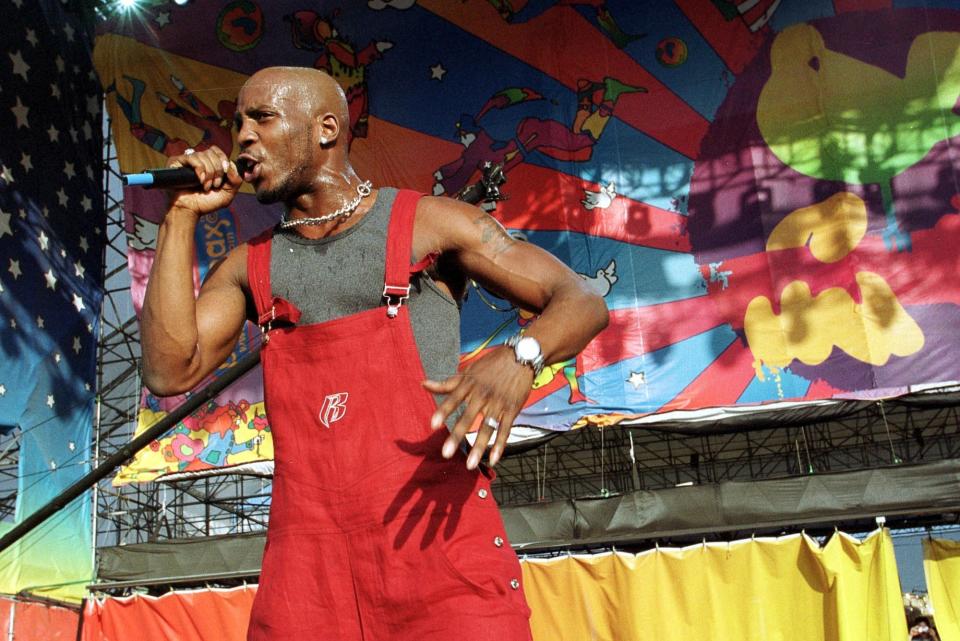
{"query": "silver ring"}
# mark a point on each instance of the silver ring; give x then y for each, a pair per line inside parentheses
(188, 151)
(492, 423)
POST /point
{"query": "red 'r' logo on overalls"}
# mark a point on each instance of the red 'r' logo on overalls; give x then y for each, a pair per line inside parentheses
(333, 409)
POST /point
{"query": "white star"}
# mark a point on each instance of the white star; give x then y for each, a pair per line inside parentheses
(162, 19)
(50, 403)
(68, 170)
(40, 322)
(57, 357)
(74, 134)
(45, 211)
(76, 70)
(63, 253)
(76, 345)
(54, 133)
(51, 279)
(61, 65)
(23, 213)
(68, 30)
(89, 328)
(32, 37)
(78, 269)
(43, 240)
(13, 323)
(20, 111)
(87, 131)
(637, 379)
(93, 105)
(85, 203)
(62, 197)
(83, 244)
(3, 390)
(54, 90)
(15, 268)
(437, 71)
(89, 172)
(25, 162)
(86, 386)
(5, 223)
(19, 66)
(19, 3)
(78, 303)
(5, 174)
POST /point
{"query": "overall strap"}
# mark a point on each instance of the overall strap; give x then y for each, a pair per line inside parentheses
(396, 282)
(269, 308)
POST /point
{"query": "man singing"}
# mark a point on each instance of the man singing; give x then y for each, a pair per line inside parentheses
(382, 524)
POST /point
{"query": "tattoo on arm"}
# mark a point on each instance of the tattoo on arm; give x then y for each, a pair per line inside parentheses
(493, 234)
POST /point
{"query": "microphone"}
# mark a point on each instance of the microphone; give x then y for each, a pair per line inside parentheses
(170, 178)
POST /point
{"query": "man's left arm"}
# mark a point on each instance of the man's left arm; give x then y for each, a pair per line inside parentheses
(496, 386)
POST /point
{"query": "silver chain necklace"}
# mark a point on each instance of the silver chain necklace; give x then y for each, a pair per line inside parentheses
(363, 190)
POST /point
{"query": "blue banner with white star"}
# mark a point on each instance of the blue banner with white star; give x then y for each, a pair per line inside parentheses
(51, 252)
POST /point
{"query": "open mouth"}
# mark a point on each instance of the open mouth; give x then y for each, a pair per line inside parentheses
(249, 168)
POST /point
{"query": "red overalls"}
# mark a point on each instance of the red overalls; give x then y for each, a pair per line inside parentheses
(373, 535)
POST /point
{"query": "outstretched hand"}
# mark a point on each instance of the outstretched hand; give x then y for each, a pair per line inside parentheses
(494, 389)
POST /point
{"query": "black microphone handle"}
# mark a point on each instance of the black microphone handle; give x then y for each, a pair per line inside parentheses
(169, 178)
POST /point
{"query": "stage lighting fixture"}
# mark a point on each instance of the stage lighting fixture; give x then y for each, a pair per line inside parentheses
(181, 2)
(127, 4)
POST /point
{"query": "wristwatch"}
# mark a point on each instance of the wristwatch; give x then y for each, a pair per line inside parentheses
(526, 349)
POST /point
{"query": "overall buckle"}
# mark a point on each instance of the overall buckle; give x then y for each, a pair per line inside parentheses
(395, 296)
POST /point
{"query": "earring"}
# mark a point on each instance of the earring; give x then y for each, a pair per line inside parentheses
(323, 140)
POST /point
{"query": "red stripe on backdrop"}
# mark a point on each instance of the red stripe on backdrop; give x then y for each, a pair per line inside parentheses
(731, 39)
(553, 32)
(551, 201)
(400, 157)
(847, 6)
(640, 330)
(721, 383)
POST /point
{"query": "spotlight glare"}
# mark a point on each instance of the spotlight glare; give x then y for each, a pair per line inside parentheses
(180, 2)
(127, 4)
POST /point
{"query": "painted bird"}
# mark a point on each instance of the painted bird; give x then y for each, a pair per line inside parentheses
(831, 116)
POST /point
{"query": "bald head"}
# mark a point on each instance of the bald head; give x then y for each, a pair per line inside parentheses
(312, 90)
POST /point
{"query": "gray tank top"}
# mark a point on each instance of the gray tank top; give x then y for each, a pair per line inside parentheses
(342, 275)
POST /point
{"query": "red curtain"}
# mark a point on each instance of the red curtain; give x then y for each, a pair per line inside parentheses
(211, 615)
(38, 621)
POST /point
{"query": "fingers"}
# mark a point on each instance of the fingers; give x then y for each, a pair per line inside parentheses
(503, 434)
(461, 428)
(450, 403)
(211, 166)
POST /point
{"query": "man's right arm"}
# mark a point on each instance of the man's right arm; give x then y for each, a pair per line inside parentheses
(186, 338)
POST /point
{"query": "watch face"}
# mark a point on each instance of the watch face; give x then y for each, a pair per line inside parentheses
(528, 348)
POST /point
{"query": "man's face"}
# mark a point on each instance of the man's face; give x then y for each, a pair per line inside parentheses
(274, 133)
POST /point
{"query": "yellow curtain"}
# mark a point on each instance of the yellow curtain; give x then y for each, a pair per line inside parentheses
(941, 564)
(762, 589)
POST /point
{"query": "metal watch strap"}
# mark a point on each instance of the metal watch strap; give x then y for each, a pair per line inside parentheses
(537, 363)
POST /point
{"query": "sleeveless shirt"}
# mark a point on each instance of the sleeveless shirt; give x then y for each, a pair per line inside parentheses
(340, 275)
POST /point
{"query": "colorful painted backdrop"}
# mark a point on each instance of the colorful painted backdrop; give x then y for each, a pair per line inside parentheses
(764, 192)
